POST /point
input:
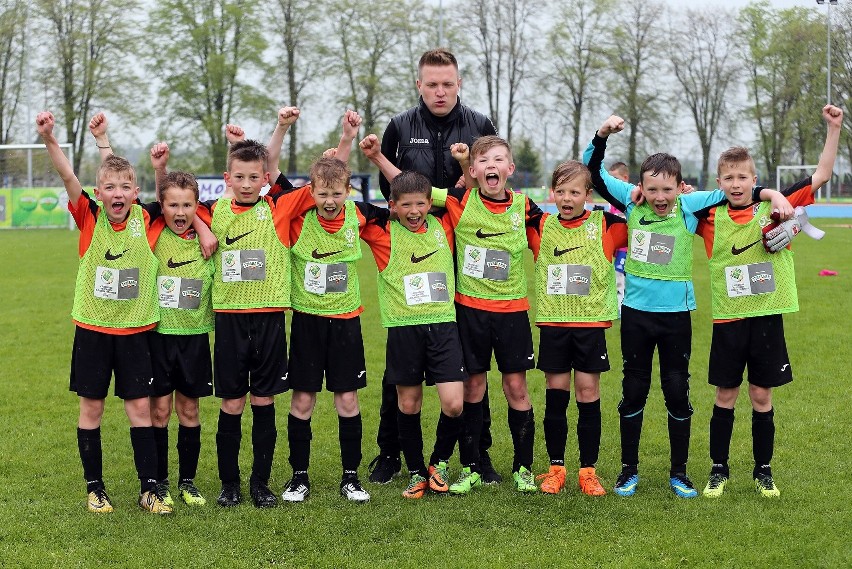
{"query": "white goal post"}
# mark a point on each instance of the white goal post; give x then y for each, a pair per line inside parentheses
(809, 167)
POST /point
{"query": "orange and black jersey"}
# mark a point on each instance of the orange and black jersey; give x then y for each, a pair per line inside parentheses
(85, 213)
(614, 237)
(455, 204)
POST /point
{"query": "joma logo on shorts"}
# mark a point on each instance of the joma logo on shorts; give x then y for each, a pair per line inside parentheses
(419, 141)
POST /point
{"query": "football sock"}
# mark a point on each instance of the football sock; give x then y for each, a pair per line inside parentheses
(387, 437)
(144, 456)
(721, 431)
(228, 437)
(411, 441)
(469, 436)
(679, 430)
(91, 455)
(522, 427)
(188, 448)
(485, 431)
(161, 439)
(589, 432)
(631, 432)
(299, 436)
(763, 440)
(556, 424)
(349, 433)
(446, 434)
(263, 438)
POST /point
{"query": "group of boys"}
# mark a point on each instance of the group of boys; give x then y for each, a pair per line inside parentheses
(452, 291)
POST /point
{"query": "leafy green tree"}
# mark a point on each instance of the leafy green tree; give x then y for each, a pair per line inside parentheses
(527, 163)
(13, 25)
(209, 56)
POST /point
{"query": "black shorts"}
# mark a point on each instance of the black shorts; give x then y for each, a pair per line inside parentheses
(430, 352)
(508, 334)
(250, 354)
(97, 355)
(756, 342)
(181, 363)
(332, 347)
(561, 349)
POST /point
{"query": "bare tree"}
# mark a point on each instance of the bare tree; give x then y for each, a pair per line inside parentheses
(298, 22)
(635, 53)
(841, 52)
(207, 62)
(89, 59)
(576, 58)
(13, 25)
(703, 67)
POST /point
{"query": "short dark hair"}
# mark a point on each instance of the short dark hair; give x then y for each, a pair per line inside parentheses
(485, 143)
(177, 179)
(661, 163)
(735, 155)
(330, 171)
(437, 57)
(410, 182)
(569, 170)
(248, 151)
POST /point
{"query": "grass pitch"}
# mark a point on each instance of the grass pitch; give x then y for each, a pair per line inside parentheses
(43, 521)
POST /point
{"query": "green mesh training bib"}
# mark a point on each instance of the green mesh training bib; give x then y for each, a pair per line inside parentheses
(574, 280)
(252, 265)
(417, 285)
(658, 247)
(324, 278)
(489, 250)
(116, 281)
(184, 283)
(746, 280)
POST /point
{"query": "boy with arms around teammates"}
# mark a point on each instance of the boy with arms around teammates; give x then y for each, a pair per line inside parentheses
(416, 294)
(491, 300)
(659, 296)
(576, 303)
(751, 289)
(115, 308)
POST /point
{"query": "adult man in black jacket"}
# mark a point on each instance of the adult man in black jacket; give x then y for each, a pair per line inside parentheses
(419, 139)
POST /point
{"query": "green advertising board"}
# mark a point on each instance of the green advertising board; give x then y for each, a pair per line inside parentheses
(33, 207)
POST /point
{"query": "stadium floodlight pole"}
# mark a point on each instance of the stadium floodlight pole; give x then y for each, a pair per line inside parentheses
(828, 72)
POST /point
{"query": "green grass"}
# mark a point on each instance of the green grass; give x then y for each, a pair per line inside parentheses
(43, 522)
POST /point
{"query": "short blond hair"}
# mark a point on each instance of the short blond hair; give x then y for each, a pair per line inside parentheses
(569, 170)
(735, 155)
(485, 143)
(330, 171)
(116, 165)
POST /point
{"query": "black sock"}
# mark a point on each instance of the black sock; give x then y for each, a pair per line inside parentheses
(469, 436)
(763, 440)
(589, 432)
(161, 439)
(91, 455)
(631, 432)
(446, 434)
(188, 449)
(556, 424)
(299, 436)
(522, 427)
(228, 437)
(679, 430)
(349, 433)
(411, 441)
(721, 431)
(144, 456)
(264, 435)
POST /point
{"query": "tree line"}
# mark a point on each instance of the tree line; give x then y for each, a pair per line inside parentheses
(545, 71)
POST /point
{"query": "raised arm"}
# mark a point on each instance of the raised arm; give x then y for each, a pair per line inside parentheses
(461, 153)
(286, 117)
(98, 128)
(834, 119)
(351, 126)
(234, 133)
(160, 163)
(610, 188)
(44, 125)
(372, 150)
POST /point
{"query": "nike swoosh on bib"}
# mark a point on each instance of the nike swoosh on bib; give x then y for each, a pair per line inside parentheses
(110, 257)
(416, 259)
(317, 255)
(232, 240)
(643, 221)
(737, 250)
(559, 252)
(482, 235)
(172, 264)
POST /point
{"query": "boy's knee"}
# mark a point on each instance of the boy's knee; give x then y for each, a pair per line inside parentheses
(346, 403)
(676, 393)
(233, 406)
(187, 411)
(302, 404)
(452, 409)
(515, 388)
(761, 398)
